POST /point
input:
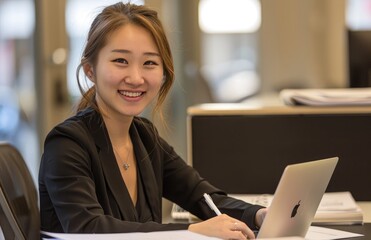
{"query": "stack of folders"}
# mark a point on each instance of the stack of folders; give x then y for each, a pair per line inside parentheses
(337, 208)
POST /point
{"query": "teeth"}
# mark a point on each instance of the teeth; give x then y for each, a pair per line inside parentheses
(131, 94)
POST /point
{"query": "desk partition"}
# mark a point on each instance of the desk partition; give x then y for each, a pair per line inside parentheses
(245, 150)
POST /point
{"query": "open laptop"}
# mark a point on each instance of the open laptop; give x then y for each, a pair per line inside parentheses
(297, 198)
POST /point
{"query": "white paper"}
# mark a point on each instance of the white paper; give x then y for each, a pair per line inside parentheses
(337, 201)
(321, 233)
(314, 233)
(338, 208)
(176, 235)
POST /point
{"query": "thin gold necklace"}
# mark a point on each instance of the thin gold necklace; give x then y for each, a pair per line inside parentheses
(125, 165)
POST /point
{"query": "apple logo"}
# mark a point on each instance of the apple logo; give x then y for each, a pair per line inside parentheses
(295, 210)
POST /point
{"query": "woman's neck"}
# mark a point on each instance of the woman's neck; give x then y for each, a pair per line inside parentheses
(118, 130)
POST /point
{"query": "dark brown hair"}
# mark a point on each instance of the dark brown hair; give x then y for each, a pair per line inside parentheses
(110, 19)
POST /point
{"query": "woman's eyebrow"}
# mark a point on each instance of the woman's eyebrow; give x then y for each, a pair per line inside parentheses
(155, 54)
(127, 51)
(121, 51)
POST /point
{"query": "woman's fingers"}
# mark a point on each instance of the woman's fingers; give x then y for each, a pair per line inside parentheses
(242, 228)
(223, 227)
(260, 215)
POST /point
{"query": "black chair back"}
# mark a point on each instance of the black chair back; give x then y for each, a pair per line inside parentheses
(19, 212)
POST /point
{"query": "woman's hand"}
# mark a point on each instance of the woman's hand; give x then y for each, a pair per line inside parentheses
(223, 227)
(259, 217)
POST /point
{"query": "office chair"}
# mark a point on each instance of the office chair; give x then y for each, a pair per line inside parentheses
(19, 212)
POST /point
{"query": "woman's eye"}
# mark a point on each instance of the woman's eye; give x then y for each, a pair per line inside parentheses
(120, 60)
(150, 63)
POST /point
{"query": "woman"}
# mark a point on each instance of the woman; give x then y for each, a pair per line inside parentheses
(105, 169)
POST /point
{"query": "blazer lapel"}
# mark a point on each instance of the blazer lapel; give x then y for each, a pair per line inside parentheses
(147, 175)
(112, 173)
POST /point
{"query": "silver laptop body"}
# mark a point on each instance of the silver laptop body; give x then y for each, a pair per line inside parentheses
(297, 198)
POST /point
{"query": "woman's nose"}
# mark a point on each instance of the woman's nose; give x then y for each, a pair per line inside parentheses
(134, 77)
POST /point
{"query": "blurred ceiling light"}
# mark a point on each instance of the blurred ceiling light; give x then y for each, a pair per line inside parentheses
(232, 16)
(59, 56)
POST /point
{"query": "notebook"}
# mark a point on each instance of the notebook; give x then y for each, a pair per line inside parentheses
(297, 198)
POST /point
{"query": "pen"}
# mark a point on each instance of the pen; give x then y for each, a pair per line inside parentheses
(211, 204)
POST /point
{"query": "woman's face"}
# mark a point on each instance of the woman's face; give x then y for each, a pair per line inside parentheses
(129, 72)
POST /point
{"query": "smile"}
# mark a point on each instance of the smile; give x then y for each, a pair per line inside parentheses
(130, 94)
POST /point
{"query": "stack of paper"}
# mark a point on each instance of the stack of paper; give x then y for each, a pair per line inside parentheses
(338, 208)
(327, 97)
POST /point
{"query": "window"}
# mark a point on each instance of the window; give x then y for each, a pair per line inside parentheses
(17, 83)
(230, 71)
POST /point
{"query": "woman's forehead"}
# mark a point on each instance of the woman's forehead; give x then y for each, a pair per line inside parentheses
(132, 37)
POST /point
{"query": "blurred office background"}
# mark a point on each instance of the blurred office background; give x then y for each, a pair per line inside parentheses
(224, 51)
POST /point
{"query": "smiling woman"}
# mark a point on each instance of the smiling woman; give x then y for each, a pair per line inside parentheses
(97, 38)
(128, 72)
(106, 169)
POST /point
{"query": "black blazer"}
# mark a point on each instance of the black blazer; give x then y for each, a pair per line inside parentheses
(81, 188)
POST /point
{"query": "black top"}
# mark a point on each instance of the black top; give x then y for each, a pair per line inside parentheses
(81, 188)
(142, 207)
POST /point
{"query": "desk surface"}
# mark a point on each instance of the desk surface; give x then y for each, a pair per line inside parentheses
(225, 109)
(364, 229)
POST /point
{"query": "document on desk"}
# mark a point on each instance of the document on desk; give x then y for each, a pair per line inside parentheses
(338, 208)
(176, 235)
(322, 233)
(314, 233)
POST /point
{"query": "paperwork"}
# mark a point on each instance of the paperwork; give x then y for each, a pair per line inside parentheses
(327, 97)
(338, 208)
(175, 235)
(314, 233)
(321, 233)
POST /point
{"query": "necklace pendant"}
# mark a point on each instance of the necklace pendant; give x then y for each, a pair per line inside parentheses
(126, 166)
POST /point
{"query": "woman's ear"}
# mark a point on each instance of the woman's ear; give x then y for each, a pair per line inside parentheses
(89, 71)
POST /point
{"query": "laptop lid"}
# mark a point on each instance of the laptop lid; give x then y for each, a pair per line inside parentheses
(297, 198)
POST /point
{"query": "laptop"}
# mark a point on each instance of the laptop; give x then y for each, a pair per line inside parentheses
(297, 198)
